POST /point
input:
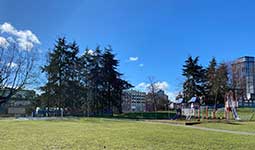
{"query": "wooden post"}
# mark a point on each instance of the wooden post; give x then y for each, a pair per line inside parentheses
(202, 114)
(225, 114)
(206, 112)
(214, 114)
(195, 113)
(198, 114)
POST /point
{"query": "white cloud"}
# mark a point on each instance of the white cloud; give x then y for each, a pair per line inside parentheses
(160, 85)
(141, 65)
(3, 42)
(133, 58)
(25, 39)
(12, 65)
(6, 27)
(90, 52)
(25, 45)
(171, 95)
(142, 86)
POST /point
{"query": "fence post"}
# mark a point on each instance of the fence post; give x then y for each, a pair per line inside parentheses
(202, 113)
(206, 112)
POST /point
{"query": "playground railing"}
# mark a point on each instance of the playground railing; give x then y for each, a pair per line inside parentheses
(204, 112)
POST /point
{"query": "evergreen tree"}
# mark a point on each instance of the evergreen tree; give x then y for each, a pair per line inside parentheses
(113, 85)
(119, 86)
(195, 78)
(72, 82)
(55, 73)
(89, 84)
(95, 80)
(211, 84)
(84, 67)
(110, 75)
(221, 82)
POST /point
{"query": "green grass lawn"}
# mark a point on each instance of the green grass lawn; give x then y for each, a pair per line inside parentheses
(112, 134)
(246, 113)
(235, 126)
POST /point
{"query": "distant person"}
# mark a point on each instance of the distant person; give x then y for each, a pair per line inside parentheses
(231, 105)
(234, 105)
(179, 111)
(192, 108)
(197, 107)
(227, 100)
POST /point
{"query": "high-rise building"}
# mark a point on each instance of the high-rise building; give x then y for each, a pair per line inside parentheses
(243, 75)
(133, 101)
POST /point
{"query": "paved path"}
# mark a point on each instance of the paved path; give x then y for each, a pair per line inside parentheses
(205, 129)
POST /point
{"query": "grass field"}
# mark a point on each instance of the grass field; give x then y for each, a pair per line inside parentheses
(112, 134)
(236, 126)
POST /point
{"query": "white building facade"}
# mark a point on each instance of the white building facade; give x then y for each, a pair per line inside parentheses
(133, 101)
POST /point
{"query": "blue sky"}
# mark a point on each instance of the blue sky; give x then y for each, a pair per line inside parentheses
(161, 34)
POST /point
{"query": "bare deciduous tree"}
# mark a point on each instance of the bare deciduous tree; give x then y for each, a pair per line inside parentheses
(152, 91)
(16, 70)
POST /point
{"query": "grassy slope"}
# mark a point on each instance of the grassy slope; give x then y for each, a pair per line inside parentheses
(105, 134)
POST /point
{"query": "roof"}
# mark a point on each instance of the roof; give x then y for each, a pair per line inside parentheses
(178, 101)
(193, 100)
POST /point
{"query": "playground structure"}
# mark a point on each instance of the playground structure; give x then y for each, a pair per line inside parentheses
(193, 109)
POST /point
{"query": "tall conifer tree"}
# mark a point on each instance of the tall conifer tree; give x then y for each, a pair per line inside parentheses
(195, 77)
